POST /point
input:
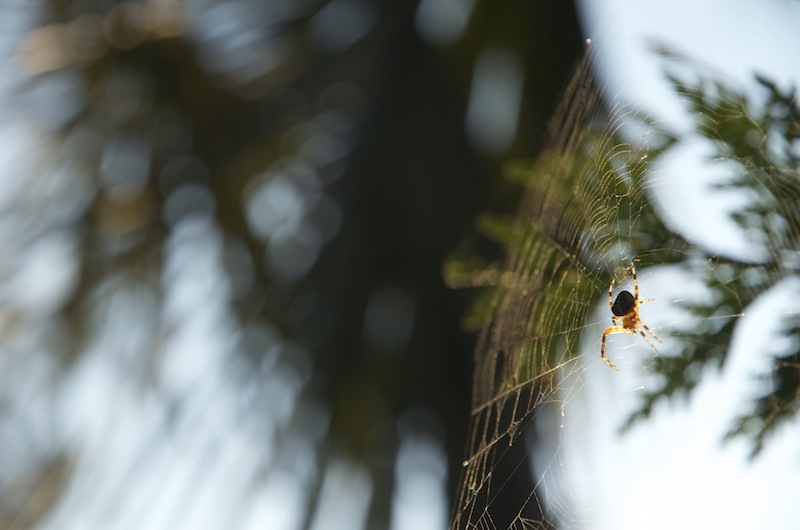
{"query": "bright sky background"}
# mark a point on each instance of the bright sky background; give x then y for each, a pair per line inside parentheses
(672, 471)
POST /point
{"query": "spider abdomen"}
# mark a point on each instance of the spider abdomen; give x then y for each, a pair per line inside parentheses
(624, 304)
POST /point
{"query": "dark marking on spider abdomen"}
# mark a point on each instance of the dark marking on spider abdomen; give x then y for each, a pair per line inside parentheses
(624, 304)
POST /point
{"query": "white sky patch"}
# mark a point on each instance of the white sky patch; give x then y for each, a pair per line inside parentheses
(336, 511)
(45, 275)
(728, 36)
(342, 23)
(388, 320)
(690, 205)
(420, 476)
(282, 506)
(494, 100)
(442, 22)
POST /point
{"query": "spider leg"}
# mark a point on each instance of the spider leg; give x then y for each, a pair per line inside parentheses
(638, 302)
(648, 340)
(645, 326)
(636, 287)
(609, 331)
(610, 295)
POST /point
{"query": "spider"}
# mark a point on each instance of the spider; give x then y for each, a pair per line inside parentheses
(626, 312)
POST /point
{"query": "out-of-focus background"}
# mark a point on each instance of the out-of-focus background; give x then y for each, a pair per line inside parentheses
(222, 228)
(223, 225)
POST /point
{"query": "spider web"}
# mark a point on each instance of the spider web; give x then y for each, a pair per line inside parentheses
(546, 294)
(593, 202)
